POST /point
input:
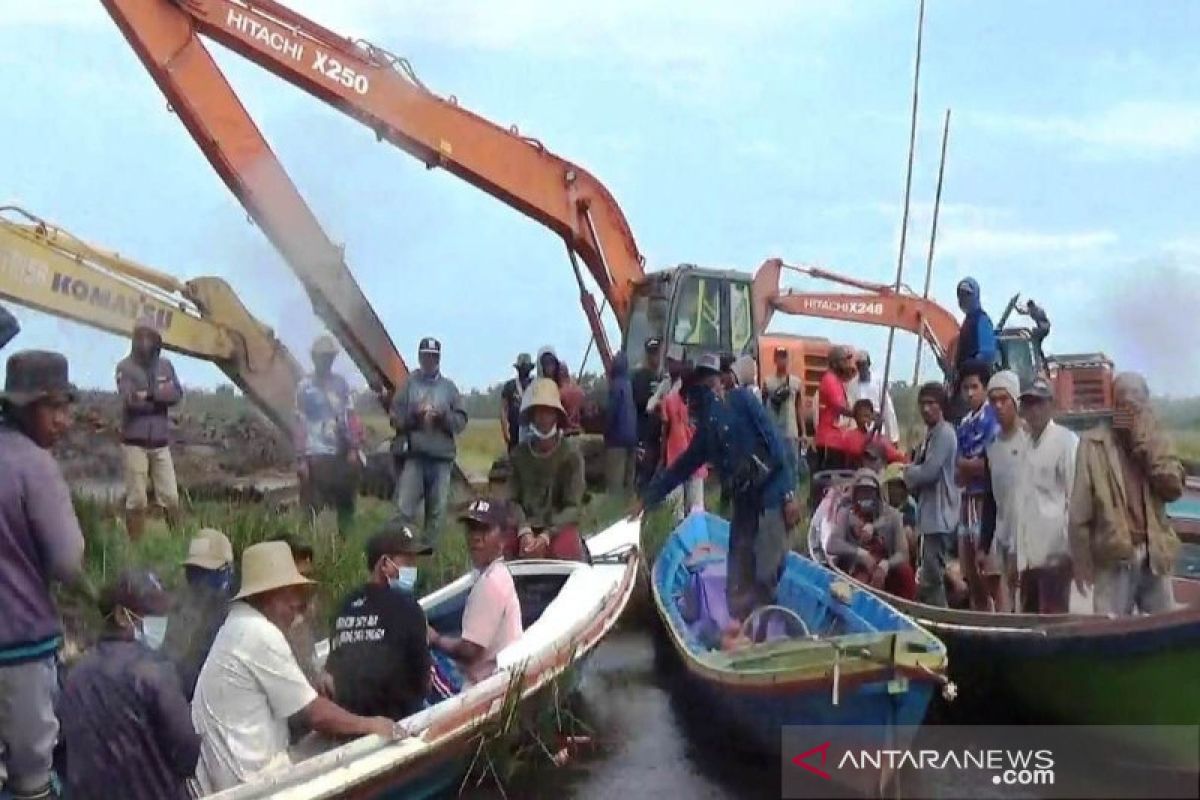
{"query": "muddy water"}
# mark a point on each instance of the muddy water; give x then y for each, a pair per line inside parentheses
(647, 744)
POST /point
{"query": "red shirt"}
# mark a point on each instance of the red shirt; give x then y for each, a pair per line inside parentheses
(572, 397)
(854, 443)
(831, 401)
(677, 429)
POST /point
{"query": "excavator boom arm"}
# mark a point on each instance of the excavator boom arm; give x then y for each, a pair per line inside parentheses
(875, 304)
(47, 269)
(382, 92)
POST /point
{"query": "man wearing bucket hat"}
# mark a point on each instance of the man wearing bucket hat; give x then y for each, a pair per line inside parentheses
(510, 400)
(42, 544)
(492, 618)
(428, 416)
(329, 437)
(251, 684)
(125, 721)
(379, 663)
(148, 387)
(200, 607)
(735, 435)
(547, 482)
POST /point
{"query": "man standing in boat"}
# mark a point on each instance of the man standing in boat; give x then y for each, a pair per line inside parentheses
(1043, 558)
(931, 477)
(1125, 474)
(735, 435)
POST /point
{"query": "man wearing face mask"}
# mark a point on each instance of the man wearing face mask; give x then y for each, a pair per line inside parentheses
(379, 664)
(869, 542)
(547, 481)
(200, 606)
(251, 684)
(125, 721)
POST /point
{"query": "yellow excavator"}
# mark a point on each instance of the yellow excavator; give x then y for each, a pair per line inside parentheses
(44, 267)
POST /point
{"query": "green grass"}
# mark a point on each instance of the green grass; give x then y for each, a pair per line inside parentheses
(478, 445)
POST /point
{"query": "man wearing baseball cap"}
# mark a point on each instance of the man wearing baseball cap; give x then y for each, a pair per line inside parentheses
(1048, 477)
(428, 416)
(329, 437)
(379, 659)
(42, 544)
(491, 620)
(510, 400)
(251, 683)
(200, 607)
(869, 541)
(125, 722)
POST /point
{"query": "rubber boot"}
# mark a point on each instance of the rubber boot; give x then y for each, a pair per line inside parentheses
(135, 523)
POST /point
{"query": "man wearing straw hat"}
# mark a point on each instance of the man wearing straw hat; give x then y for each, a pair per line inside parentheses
(200, 607)
(41, 543)
(251, 684)
(547, 483)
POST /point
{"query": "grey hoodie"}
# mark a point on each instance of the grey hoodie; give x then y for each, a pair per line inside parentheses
(931, 479)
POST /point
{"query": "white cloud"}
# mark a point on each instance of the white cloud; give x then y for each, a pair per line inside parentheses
(984, 242)
(1141, 129)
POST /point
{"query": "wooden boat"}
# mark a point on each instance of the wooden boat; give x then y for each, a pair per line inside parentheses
(1074, 669)
(851, 659)
(568, 607)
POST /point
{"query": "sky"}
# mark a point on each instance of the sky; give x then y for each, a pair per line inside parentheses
(728, 133)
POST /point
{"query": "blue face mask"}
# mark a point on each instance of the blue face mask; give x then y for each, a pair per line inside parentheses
(216, 579)
(405, 580)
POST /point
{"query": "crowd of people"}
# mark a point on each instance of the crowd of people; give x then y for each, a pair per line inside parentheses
(212, 686)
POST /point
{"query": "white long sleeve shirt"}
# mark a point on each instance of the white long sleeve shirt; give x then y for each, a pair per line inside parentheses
(1045, 490)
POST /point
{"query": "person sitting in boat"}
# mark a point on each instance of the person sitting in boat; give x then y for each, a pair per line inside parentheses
(251, 684)
(868, 540)
(897, 496)
(491, 620)
(379, 663)
(547, 482)
(862, 436)
(734, 434)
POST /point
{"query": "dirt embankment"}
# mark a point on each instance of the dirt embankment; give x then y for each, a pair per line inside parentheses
(212, 441)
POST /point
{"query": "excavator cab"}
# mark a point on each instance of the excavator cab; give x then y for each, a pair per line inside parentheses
(702, 310)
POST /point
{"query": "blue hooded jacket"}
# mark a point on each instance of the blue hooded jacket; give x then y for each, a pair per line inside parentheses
(977, 336)
(727, 433)
(621, 429)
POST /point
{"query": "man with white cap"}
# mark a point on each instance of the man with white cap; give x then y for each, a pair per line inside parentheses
(329, 437)
(200, 606)
(428, 416)
(1006, 466)
(251, 684)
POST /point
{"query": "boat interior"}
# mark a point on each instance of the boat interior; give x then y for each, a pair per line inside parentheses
(813, 610)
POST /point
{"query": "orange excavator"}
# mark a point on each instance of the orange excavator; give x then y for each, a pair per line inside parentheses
(704, 310)
(1083, 382)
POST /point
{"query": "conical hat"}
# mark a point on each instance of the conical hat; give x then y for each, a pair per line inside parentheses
(267, 566)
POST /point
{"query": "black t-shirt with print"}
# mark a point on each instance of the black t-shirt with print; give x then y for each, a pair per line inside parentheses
(379, 657)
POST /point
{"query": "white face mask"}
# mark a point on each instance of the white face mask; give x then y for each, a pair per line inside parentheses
(550, 434)
(152, 632)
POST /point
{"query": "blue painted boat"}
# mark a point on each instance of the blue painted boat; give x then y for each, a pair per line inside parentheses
(830, 653)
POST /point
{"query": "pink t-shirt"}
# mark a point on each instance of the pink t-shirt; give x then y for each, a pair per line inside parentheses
(492, 618)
